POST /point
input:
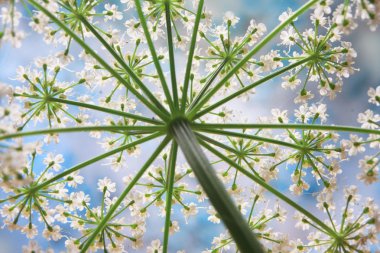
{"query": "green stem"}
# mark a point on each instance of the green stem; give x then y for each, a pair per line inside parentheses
(132, 129)
(253, 137)
(286, 126)
(208, 84)
(107, 110)
(169, 194)
(256, 49)
(171, 55)
(191, 55)
(269, 188)
(98, 58)
(154, 54)
(245, 89)
(96, 159)
(114, 207)
(223, 204)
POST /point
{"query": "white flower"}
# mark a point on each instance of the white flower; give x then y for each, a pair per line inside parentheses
(74, 179)
(303, 113)
(52, 233)
(285, 15)
(155, 247)
(374, 95)
(5, 90)
(111, 12)
(213, 216)
(190, 210)
(288, 37)
(280, 116)
(107, 186)
(30, 231)
(354, 145)
(368, 119)
(319, 111)
(230, 18)
(32, 247)
(290, 82)
(54, 161)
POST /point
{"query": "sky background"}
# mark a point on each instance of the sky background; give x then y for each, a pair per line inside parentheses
(198, 233)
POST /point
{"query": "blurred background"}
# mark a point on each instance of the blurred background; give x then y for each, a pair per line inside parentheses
(198, 233)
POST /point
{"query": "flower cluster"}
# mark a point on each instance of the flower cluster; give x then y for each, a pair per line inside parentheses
(346, 232)
(41, 88)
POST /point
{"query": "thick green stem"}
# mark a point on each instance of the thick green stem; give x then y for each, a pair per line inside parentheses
(287, 126)
(220, 199)
(130, 130)
(98, 58)
(256, 49)
(191, 55)
(96, 159)
(171, 55)
(114, 207)
(269, 188)
(154, 54)
(169, 194)
(247, 88)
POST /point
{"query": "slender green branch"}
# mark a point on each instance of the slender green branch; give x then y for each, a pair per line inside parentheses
(207, 85)
(96, 159)
(216, 143)
(171, 55)
(223, 204)
(154, 54)
(126, 68)
(114, 207)
(269, 188)
(96, 108)
(130, 130)
(107, 110)
(252, 137)
(256, 49)
(248, 87)
(98, 58)
(191, 55)
(169, 194)
(287, 126)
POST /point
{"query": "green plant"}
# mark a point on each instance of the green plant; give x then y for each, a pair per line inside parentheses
(182, 118)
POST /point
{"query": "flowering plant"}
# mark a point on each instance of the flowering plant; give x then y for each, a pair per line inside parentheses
(122, 96)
